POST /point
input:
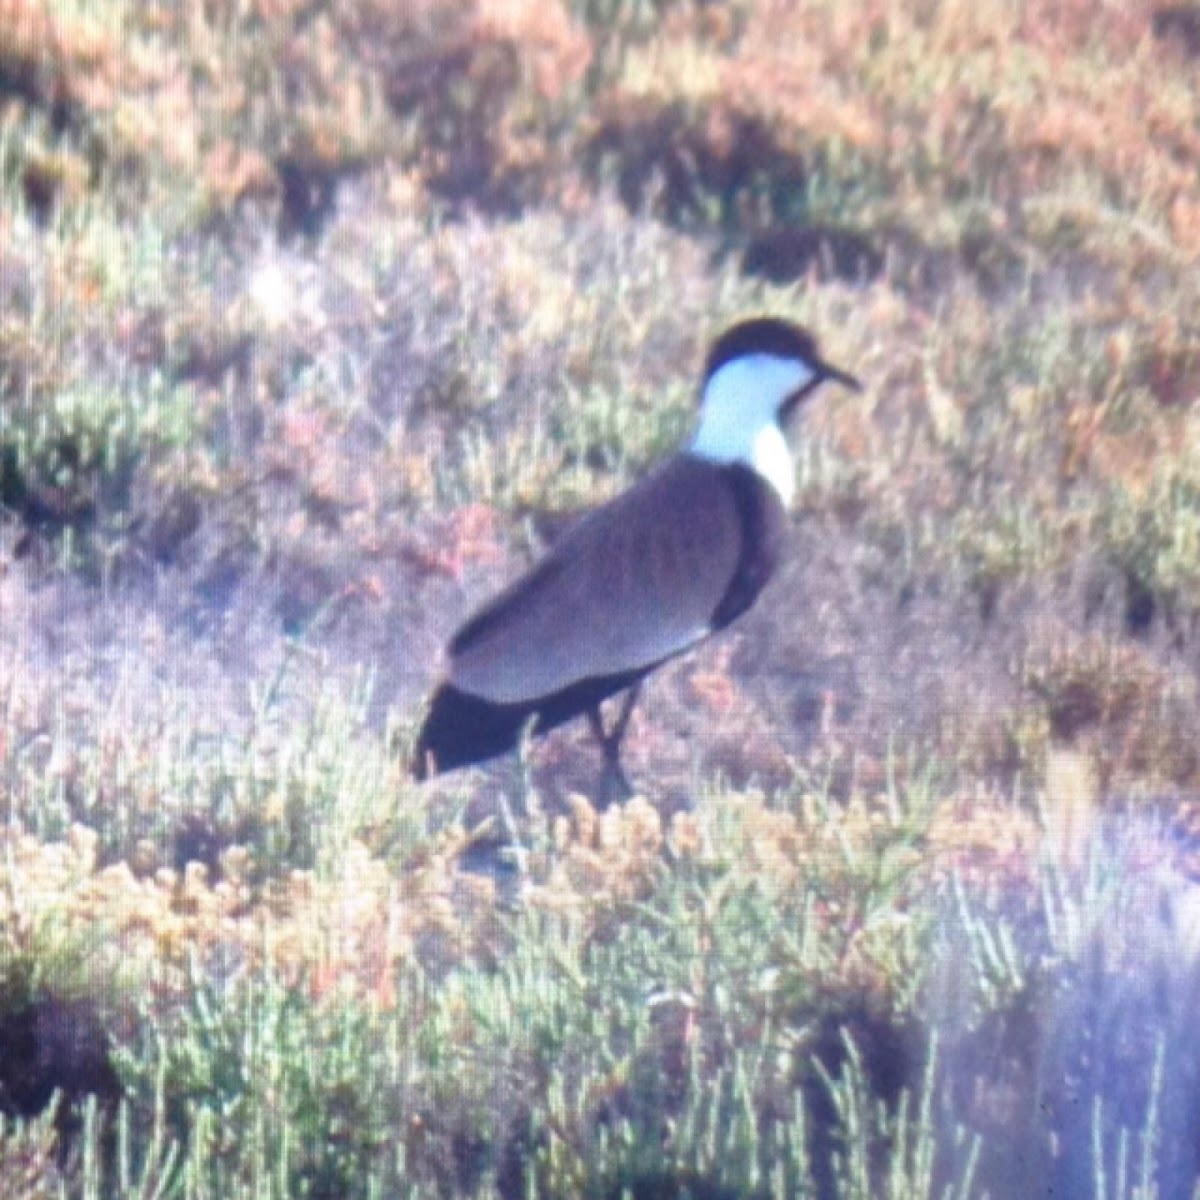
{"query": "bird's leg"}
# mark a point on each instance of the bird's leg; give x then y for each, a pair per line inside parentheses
(631, 698)
(613, 784)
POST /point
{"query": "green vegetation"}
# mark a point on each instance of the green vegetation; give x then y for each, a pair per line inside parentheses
(315, 322)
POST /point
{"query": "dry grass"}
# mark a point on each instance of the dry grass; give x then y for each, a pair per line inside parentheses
(314, 323)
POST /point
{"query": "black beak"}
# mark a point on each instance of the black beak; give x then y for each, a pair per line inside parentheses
(821, 372)
(827, 371)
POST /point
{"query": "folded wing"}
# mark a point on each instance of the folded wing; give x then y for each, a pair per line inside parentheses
(635, 582)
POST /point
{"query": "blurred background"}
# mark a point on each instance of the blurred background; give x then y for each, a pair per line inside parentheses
(319, 320)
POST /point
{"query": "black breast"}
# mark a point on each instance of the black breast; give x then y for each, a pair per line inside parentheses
(763, 520)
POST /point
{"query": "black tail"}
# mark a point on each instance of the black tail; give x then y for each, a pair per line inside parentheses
(462, 729)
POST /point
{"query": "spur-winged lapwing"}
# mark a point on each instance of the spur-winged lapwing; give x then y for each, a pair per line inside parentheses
(642, 578)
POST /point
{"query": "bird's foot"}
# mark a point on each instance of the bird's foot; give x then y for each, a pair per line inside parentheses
(614, 786)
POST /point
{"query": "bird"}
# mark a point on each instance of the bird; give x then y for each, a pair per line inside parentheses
(643, 578)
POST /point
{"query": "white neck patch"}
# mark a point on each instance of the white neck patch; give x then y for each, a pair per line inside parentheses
(739, 417)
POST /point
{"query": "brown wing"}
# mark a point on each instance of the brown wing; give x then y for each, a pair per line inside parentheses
(635, 582)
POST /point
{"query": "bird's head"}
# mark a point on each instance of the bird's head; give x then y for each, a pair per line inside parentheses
(756, 376)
